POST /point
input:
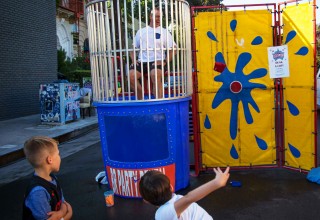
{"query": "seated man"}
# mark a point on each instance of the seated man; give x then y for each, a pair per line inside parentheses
(153, 42)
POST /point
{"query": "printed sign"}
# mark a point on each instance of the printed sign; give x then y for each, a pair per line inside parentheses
(278, 61)
(125, 182)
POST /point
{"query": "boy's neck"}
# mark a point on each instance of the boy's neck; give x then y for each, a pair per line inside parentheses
(43, 174)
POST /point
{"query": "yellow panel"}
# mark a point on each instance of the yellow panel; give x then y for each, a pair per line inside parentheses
(300, 65)
(239, 142)
(299, 128)
(299, 140)
(263, 130)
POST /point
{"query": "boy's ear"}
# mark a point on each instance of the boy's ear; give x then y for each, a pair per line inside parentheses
(172, 189)
(49, 159)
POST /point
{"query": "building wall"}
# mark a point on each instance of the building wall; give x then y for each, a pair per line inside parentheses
(64, 29)
(28, 57)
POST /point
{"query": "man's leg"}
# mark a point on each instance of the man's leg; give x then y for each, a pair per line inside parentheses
(157, 76)
(134, 80)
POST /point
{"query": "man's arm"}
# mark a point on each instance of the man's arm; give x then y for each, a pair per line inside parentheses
(195, 195)
(171, 53)
(132, 57)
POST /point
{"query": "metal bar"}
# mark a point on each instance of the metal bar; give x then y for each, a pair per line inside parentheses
(195, 110)
(315, 80)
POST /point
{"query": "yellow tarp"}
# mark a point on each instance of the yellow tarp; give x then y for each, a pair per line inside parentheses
(243, 136)
(299, 119)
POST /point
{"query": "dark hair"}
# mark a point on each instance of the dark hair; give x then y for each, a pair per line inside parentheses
(155, 187)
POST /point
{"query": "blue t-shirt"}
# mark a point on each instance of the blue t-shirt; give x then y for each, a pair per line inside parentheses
(38, 201)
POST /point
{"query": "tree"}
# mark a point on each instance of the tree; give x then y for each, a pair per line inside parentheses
(204, 2)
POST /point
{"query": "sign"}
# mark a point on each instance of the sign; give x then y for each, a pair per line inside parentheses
(125, 182)
(278, 61)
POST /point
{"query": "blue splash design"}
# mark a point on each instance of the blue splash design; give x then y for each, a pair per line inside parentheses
(233, 25)
(233, 152)
(295, 152)
(257, 40)
(261, 143)
(290, 36)
(207, 123)
(224, 93)
(293, 109)
(211, 36)
(302, 51)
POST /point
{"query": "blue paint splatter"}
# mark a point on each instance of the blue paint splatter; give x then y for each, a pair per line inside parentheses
(256, 41)
(224, 93)
(211, 36)
(302, 51)
(261, 143)
(290, 36)
(295, 152)
(207, 123)
(293, 109)
(233, 152)
(233, 25)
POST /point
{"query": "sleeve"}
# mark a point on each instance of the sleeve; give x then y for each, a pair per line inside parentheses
(38, 202)
(170, 40)
(167, 212)
(136, 40)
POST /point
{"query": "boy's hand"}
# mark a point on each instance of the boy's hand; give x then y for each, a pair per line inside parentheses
(221, 177)
(70, 211)
(55, 215)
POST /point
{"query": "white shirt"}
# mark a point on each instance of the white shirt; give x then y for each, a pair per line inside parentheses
(159, 40)
(193, 212)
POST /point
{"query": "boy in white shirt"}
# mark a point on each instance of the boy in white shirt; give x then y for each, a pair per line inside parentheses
(155, 188)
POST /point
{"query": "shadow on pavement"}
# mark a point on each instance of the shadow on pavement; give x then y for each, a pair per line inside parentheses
(264, 194)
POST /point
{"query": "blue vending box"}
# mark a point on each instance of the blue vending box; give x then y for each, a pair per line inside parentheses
(59, 102)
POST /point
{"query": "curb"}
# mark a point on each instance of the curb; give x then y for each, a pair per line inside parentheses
(16, 155)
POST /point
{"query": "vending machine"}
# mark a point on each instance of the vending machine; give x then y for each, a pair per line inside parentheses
(59, 102)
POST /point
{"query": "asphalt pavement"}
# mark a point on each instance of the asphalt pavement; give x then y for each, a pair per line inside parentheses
(265, 194)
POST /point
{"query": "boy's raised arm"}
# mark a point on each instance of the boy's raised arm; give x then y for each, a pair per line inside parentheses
(195, 195)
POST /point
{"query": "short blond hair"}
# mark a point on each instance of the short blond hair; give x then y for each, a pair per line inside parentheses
(37, 148)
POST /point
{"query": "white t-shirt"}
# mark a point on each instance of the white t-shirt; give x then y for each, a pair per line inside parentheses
(193, 212)
(159, 39)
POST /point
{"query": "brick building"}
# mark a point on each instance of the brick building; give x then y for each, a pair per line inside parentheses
(28, 55)
(30, 35)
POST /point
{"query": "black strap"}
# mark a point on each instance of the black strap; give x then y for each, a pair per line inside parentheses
(53, 190)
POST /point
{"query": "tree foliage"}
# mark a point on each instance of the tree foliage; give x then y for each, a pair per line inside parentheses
(73, 69)
(204, 2)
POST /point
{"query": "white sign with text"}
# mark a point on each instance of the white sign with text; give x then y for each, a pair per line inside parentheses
(278, 61)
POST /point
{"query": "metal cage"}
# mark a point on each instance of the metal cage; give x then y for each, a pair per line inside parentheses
(115, 49)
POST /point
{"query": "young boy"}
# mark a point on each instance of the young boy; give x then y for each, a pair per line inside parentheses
(44, 198)
(155, 188)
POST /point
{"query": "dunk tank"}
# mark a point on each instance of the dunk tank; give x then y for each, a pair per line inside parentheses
(150, 132)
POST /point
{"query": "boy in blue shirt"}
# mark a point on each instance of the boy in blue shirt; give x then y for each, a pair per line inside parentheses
(44, 198)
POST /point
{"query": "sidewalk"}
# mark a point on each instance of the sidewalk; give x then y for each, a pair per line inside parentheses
(14, 132)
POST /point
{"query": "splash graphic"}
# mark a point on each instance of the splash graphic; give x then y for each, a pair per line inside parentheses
(207, 123)
(233, 152)
(293, 109)
(295, 152)
(236, 86)
(261, 143)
